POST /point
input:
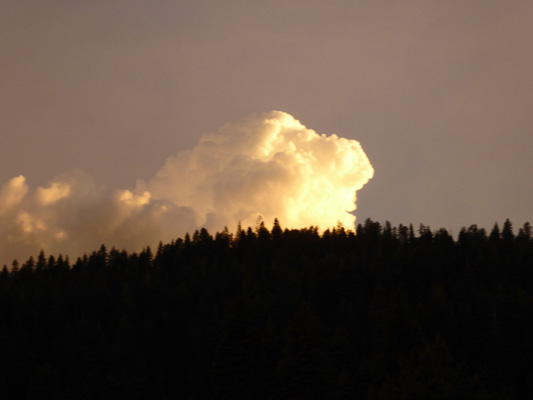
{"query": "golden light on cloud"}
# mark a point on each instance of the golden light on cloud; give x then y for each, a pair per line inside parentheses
(133, 200)
(267, 165)
(56, 191)
(12, 193)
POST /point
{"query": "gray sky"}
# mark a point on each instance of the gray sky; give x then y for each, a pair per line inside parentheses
(438, 93)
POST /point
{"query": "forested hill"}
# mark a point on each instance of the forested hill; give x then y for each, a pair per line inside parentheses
(386, 313)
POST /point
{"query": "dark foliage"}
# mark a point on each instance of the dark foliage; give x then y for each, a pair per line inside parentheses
(387, 313)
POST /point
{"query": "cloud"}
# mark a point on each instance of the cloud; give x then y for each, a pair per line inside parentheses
(267, 165)
(56, 191)
(12, 193)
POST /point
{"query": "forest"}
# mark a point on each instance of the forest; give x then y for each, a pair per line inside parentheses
(380, 313)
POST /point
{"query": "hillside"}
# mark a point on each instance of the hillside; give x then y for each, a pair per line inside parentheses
(382, 313)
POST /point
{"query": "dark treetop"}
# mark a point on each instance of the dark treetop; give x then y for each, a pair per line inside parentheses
(386, 313)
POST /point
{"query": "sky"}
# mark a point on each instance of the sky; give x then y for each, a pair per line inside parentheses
(437, 93)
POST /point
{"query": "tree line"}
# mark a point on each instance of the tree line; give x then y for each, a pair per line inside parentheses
(381, 313)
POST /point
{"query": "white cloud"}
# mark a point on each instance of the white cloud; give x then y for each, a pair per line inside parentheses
(268, 164)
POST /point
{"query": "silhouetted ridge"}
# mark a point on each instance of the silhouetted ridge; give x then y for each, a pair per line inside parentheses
(381, 313)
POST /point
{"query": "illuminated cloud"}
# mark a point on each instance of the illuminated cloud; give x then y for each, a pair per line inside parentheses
(56, 191)
(12, 193)
(267, 165)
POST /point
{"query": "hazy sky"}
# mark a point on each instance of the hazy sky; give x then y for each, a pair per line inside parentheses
(438, 93)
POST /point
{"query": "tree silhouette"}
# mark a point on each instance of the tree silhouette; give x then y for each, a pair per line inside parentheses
(381, 313)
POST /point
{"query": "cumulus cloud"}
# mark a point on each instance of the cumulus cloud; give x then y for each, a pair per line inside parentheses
(267, 165)
(56, 191)
(12, 193)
